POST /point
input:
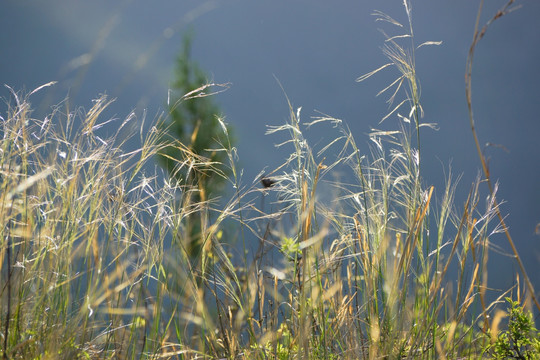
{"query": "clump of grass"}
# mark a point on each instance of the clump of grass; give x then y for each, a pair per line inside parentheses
(86, 236)
(95, 258)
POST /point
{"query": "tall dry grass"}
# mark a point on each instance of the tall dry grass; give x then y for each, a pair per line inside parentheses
(94, 249)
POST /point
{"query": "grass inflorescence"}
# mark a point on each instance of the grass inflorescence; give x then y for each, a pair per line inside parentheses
(96, 264)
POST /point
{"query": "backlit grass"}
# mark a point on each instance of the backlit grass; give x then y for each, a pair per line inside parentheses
(378, 264)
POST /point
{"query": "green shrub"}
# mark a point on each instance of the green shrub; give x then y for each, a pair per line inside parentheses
(521, 340)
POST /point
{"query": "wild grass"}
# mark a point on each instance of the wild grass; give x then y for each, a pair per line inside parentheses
(94, 248)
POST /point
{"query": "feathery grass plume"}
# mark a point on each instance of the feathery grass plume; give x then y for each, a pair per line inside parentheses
(83, 238)
(95, 262)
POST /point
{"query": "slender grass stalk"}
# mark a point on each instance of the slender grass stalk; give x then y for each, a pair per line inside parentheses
(477, 36)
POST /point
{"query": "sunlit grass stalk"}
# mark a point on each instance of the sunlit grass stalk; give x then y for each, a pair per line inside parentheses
(477, 36)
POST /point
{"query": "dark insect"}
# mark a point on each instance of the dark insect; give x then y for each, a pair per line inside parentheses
(267, 182)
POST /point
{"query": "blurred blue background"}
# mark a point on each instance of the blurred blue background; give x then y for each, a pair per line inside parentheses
(316, 49)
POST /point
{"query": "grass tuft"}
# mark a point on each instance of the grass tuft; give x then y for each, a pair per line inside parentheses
(96, 263)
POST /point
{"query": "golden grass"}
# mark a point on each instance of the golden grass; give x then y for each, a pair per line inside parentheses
(94, 249)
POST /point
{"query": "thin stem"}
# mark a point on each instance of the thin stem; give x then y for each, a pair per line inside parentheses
(478, 35)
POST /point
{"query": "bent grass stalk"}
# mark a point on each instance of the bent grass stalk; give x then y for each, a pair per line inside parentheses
(478, 35)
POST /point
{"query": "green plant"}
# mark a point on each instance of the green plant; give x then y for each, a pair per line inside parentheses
(521, 340)
(193, 123)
